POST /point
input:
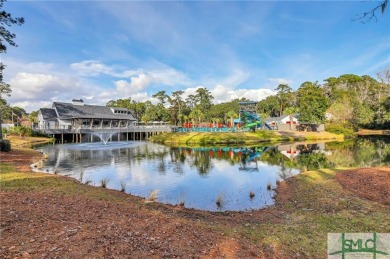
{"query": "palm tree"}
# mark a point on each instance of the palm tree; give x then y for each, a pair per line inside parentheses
(232, 115)
(197, 114)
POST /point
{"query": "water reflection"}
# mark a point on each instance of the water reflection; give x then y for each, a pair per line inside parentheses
(199, 177)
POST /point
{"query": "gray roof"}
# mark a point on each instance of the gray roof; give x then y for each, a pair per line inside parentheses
(48, 114)
(68, 111)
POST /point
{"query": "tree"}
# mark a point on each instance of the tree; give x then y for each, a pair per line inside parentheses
(370, 15)
(6, 19)
(203, 99)
(196, 114)
(231, 114)
(5, 35)
(284, 96)
(177, 105)
(33, 116)
(5, 89)
(161, 96)
(312, 103)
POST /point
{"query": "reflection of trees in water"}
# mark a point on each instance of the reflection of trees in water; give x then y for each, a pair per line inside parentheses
(361, 152)
(286, 172)
(202, 162)
(313, 161)
(177, 159)
(307, 148)
(371, 151)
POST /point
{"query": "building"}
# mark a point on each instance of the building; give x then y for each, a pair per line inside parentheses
(80, 122)
(77, 115)
(282, 122)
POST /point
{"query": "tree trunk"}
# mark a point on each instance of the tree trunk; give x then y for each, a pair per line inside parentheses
(1, 127)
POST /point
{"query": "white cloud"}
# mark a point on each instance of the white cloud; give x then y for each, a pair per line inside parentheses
(136, 84)
(223, 93)
(91, 68)
(252, 94)
(281, 81)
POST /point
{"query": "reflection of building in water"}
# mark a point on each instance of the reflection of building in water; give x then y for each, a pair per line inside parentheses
(293, 150)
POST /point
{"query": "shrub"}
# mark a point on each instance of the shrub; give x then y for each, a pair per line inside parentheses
(344, 129)
(21, 131)
(5, 145)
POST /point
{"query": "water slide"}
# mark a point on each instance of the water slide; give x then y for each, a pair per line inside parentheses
(258, 122)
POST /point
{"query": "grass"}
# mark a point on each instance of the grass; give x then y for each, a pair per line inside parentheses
(17, 141)
(212, 138)
(219, 201)
(123, 185)
(104, 182)
(318, 206)
(153, 195)
(15, 181)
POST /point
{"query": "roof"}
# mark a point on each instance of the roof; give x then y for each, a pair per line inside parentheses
(48, 114)
(68, 111)
(278, 119)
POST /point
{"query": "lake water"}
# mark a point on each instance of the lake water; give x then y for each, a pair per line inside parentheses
(198, 177)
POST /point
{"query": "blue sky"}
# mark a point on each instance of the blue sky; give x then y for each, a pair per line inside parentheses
(104, 50)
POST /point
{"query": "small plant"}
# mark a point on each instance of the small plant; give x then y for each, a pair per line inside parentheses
(104, 182)
(123, 185)
(88, 181)
(153, 195)
(251, 194)
(181, 199)
(5, 145)
(81, 175)
(219, 201)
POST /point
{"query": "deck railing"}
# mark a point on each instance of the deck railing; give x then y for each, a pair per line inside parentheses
(130, 129)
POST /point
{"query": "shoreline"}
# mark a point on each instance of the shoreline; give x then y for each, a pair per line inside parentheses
(111, 223)
(212, 138)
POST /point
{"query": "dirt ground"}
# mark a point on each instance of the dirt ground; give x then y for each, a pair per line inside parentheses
(368, 183)
(51, 225)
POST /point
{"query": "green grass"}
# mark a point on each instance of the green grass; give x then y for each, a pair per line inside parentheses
(318, 206)
(234, 138)
(12, 180)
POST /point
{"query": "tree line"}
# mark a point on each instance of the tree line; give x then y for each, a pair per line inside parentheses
(350, 100)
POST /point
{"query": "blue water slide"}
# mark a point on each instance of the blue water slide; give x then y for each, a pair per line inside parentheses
(267, 126)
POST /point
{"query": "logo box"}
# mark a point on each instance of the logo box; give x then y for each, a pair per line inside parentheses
(358, 245)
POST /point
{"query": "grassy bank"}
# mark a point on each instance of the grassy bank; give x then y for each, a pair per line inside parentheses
(17, 141)
(203, 138)
(368, 132)
(309, 206)
(314, 204)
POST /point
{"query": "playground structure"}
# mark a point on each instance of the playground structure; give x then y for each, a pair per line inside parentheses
(249, 117)
(248, 120)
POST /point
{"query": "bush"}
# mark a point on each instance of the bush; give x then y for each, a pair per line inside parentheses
(344, 129)
(21, 131)
(5, 145)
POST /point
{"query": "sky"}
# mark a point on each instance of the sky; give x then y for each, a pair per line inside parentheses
(106, 50)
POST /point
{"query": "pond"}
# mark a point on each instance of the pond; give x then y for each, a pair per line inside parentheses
(206, 178)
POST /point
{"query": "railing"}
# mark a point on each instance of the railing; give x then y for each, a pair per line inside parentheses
(131, 129)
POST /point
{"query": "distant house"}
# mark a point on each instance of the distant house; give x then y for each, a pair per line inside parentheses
(282, 122)
(77, 115)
